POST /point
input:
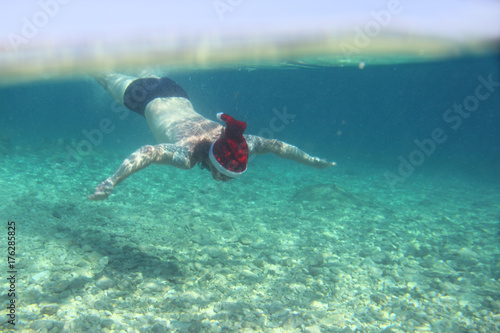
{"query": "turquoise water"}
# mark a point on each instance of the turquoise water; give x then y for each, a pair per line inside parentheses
(401, 236)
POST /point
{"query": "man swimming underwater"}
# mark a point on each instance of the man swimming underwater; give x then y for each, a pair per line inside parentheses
(186, 138)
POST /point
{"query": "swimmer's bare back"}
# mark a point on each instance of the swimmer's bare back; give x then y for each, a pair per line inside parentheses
(184, 136)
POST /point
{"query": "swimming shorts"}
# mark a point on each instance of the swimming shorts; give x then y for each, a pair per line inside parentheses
(142, 91)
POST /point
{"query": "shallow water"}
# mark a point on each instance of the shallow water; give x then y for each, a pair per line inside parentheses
(401, 236)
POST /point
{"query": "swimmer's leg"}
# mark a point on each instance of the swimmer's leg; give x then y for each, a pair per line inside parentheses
(116, 84)
(135, 93)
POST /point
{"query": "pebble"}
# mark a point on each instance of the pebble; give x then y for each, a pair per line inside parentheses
(259, 263)
(102, 305)
(49, 309)
(152, 286)
(316, 260)
(234, 307)
(78, 282)
(189, 296)
(107, 323)
(292, 321)
(249, 274)
(42, 325)
(314, 271)
(158, 328)
(105, 283)
(313, 329)
(381, 258)
(347, 329)
(245, 239)
(265, 278)
(387, 330)
(274, 259)
(59, 286)
(32, 294)
(275, 307)
(316, 305)
(39, 278)
(103, 262)
(146, 248)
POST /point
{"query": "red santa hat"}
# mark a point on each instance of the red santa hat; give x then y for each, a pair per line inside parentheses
(229, 154)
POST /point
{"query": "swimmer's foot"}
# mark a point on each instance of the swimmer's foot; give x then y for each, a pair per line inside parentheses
(101, 80)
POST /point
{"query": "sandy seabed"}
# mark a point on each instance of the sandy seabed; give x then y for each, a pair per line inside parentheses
(285, 248)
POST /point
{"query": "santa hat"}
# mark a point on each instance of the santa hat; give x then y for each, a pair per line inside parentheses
(229, 154)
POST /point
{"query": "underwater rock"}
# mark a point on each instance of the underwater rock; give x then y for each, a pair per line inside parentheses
(327, 194)
(107, 323)
(287, 262)
(86, 323)
(49, 309)
(260, 263)
(274, 258)
(292, 321)
(235, 307)
(105, 283)
(314, 271)
(387, 330)
(152, 287)
(245, 239)
(313, 329)
(159, 328)
(347, 329)
(378, 298)
(275, 307)
(58, 286)
(79, 282)
(418, 250)
(103, 305)
(32, 295)
(204, 239)
(316, 260)
(382, 258)
(40, 278)
(42, 325)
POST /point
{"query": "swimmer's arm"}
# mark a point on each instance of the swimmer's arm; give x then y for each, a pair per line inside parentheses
(141, 158)
(259, 145)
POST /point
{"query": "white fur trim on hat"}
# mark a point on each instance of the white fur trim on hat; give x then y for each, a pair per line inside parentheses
(220, 168)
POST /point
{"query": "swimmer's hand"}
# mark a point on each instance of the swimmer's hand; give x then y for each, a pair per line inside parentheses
(165, 153)
(102, 191)
(320, 163)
